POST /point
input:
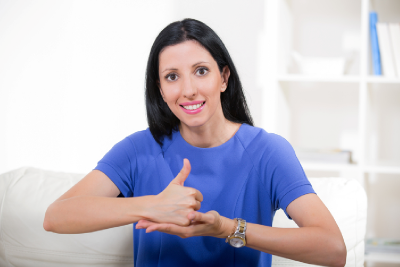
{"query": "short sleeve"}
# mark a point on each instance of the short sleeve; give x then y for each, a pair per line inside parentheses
(119, 165)
(284, 173)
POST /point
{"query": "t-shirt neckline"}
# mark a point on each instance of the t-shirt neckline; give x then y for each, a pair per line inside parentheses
(182, 141)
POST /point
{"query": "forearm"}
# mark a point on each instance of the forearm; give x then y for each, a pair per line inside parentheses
(82, 214)
(313, 245)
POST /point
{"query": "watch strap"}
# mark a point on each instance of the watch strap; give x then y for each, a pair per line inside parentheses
(239, 229)
(235, 225)
(242, 225)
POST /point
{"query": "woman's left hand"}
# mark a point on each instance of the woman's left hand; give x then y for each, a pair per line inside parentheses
(202, 224)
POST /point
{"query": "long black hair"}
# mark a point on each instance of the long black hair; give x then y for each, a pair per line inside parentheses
(159, 117)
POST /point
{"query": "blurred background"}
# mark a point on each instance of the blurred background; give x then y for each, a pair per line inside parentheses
(72, 84)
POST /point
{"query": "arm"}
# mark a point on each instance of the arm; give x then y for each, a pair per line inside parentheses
(317, 241)
(91, 205)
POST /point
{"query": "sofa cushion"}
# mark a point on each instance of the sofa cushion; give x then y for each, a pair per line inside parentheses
(25, 195)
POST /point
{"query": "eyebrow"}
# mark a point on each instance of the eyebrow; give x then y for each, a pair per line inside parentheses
(195, 64)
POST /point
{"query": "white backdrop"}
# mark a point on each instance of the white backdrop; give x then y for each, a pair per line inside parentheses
(72, 72)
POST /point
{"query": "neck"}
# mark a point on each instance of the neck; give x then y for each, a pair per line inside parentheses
(209, 135)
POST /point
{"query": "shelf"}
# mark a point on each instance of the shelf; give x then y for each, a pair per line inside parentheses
(336, 79)
(312, 78)
(382, 257)
(317, 166)
(355, 111)
(382, 169)
(381, 79)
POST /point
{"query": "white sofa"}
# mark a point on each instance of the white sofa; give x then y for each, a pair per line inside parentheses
(26, 193)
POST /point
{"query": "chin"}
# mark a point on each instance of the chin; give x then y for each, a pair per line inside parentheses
(193, 123)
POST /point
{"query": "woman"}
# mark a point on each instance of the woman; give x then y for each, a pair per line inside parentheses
(218, 209)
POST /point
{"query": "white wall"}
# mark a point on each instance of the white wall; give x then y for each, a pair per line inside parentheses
(72, 78)
(72, 72)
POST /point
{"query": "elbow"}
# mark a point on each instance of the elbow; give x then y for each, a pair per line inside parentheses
(342, 258)
(340, 255)
(47, 225)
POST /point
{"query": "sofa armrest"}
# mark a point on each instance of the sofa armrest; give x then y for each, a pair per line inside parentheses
(25, 195)
(347, 201)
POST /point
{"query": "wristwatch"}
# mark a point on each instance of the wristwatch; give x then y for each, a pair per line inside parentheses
(238, 238)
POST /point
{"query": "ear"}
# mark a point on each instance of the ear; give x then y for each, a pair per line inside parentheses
(225, 77)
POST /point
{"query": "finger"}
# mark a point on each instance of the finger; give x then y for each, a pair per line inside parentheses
(168, 228)
(195, 216)
(183, 174)
(198, 205)
(162, 227)
(142, 224)
(191, 216)
(143, 221)
(198, 196)
(181, 221)
(198, 217)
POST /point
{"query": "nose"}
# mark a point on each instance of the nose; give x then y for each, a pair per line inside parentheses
(189, 88)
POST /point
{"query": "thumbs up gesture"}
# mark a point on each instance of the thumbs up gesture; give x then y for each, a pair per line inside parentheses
(176, 201)
(183, 174)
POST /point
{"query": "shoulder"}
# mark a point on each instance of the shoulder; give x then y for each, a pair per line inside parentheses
(257, 139)
(143, 142)
(265, 148)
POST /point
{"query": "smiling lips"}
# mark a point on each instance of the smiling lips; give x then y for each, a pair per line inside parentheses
(193, 107)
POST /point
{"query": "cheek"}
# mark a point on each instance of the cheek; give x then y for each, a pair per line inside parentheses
(171, 93)
(210, 87)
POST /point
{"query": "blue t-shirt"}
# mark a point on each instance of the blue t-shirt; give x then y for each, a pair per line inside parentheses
(250, 176)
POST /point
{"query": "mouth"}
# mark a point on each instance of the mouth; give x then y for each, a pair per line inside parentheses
(196, 107)
(193, 107)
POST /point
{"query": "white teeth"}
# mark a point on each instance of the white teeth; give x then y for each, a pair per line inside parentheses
(191, 107)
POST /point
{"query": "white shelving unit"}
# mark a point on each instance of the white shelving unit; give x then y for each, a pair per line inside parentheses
(355, 111)
(382, 257)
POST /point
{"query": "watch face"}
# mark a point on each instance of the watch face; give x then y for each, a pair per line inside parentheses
(236, 242)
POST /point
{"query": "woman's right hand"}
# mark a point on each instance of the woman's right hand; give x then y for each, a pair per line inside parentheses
(176, 201)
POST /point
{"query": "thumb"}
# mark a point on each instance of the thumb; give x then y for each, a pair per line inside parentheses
(183, 174)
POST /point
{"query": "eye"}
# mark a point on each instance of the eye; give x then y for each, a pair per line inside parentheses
(171, 77)
(202, 71)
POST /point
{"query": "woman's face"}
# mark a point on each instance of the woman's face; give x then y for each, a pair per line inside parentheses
(191, 84)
